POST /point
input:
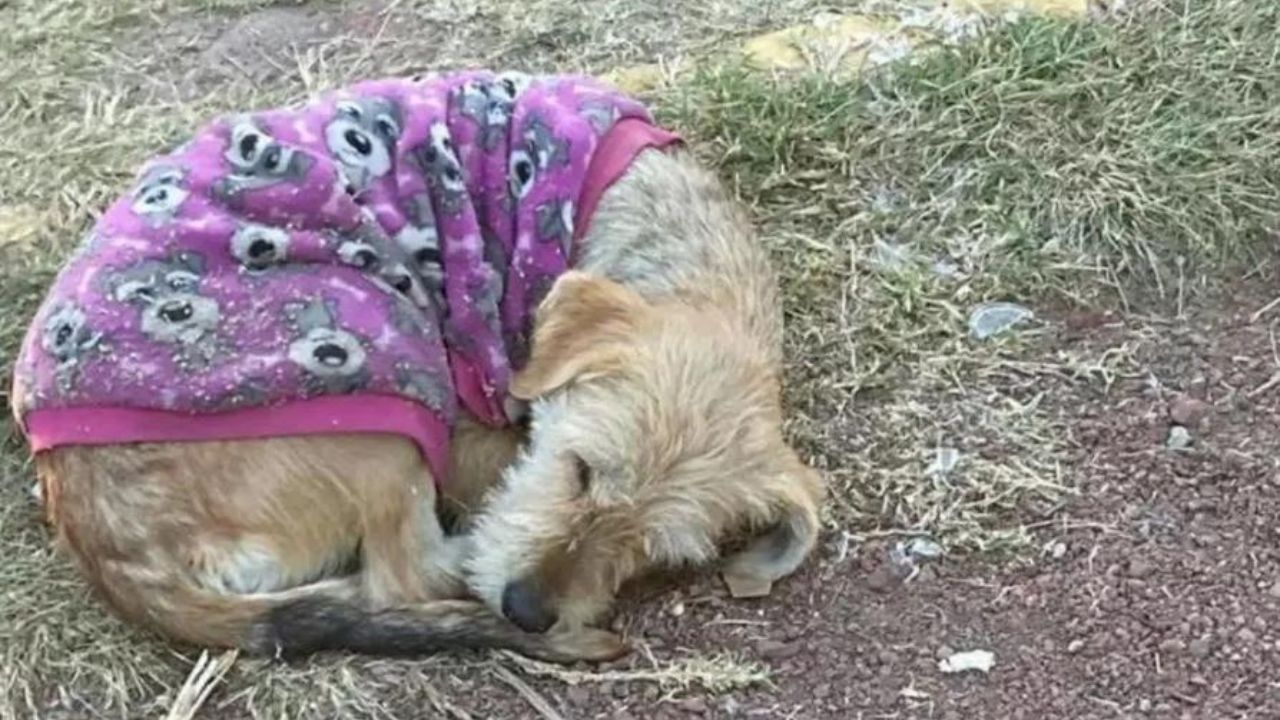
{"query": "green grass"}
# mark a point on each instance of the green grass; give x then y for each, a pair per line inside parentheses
(1043, 146)
(1050, 163)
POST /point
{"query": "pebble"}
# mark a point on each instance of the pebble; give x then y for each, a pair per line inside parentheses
(1275, 590)
(1188, 411)
(775, 650)
(1057, 549)
(1075, 646)
(697, 706)
(1199, 647)
(1139, 568)
(577, 695)
(880, 581)
(1246, 635)
(1179, 438)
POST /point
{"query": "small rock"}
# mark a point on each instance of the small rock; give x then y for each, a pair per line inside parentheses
(743, 586)
(1139, 568)
(881, 581)
(1172, 645)
(1087, 319)
(1275, 590)
(1199, 647)
(1179, 438)
(1144, 705)
(822, 691)
(994, 318)
(944, 652)
(1075, 646)
(1246, 635)
(677, 610)
(980, 660)
(923, 548)
(694, 705)
(1188, 411)
(577, 695)
(775, 650)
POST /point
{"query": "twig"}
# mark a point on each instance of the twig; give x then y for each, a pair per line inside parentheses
(1264, 310)
(199, 683)
(442, 706)
(1264, 387)
(530, 695)
(716, 674)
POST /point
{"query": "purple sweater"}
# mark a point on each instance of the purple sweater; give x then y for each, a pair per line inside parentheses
(362, 263)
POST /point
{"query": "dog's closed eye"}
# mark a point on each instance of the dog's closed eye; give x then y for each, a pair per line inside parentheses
(582, 474)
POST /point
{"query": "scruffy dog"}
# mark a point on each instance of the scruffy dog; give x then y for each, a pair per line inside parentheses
(267, 359)
(656, 418)
(303, 326)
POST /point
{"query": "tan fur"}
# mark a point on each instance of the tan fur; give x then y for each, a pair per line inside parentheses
(477, 456)
(655, 376)
(151, 523)
(202, 540)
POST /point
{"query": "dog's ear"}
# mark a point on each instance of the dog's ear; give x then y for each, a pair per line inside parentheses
(581, 331)
(792, 498)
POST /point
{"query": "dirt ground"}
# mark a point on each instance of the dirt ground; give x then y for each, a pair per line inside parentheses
(1157, 593)
(1148, 587)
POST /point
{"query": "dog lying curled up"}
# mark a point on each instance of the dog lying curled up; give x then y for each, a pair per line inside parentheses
(249, 386)
(269, 360)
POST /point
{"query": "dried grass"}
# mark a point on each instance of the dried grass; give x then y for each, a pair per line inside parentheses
(1051, 163)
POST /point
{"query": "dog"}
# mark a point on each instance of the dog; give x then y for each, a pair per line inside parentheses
(248, 389)
(655, 391)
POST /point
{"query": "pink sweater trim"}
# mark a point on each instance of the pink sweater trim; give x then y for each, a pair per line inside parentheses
(618, 149)
(52, 427)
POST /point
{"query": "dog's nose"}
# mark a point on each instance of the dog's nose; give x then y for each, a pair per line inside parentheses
(524, 606)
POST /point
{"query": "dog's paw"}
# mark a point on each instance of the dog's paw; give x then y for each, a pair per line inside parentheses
(590, 644)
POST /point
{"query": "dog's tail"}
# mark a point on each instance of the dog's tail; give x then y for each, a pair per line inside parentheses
(329, 615)
(303, 625)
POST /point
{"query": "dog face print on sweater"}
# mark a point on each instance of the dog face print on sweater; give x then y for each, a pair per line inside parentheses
(367, 260)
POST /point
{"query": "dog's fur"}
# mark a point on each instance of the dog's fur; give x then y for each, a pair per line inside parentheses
(657, 422)
(245, 544)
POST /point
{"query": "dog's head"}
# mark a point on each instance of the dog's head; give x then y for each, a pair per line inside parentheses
(656, 430)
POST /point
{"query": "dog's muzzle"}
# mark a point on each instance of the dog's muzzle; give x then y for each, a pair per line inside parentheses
(523, 605)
